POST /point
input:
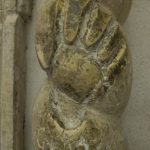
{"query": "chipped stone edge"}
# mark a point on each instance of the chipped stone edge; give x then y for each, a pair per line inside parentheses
(13, 17)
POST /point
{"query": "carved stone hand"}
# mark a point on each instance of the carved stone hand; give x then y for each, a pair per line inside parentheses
(81, 46)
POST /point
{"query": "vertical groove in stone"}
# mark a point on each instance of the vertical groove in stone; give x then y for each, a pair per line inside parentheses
(12, 72)
(1, 28)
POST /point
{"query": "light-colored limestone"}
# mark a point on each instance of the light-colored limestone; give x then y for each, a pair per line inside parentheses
(137, 115)
(12, 84)
(18, 10)
(13, 71)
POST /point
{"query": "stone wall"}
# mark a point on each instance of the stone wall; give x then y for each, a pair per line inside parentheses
(13, 17)
(137, 116)
(136, 119)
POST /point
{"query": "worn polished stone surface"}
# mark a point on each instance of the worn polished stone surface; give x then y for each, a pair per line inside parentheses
(82, 47)
(136, 117)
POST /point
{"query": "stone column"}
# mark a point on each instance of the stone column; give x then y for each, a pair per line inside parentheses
(13, 17)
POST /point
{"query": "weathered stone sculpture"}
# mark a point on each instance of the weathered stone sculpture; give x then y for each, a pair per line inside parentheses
(81, 46)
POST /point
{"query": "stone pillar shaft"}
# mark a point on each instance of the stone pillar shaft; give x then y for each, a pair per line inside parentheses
(13, 15)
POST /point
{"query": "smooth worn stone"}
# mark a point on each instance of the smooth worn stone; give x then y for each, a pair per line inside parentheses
(120, 8)
(13, 14)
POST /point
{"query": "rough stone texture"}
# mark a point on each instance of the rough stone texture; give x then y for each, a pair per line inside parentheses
(13, 66)
(1, 27)
(82, 48)
(137, 116)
